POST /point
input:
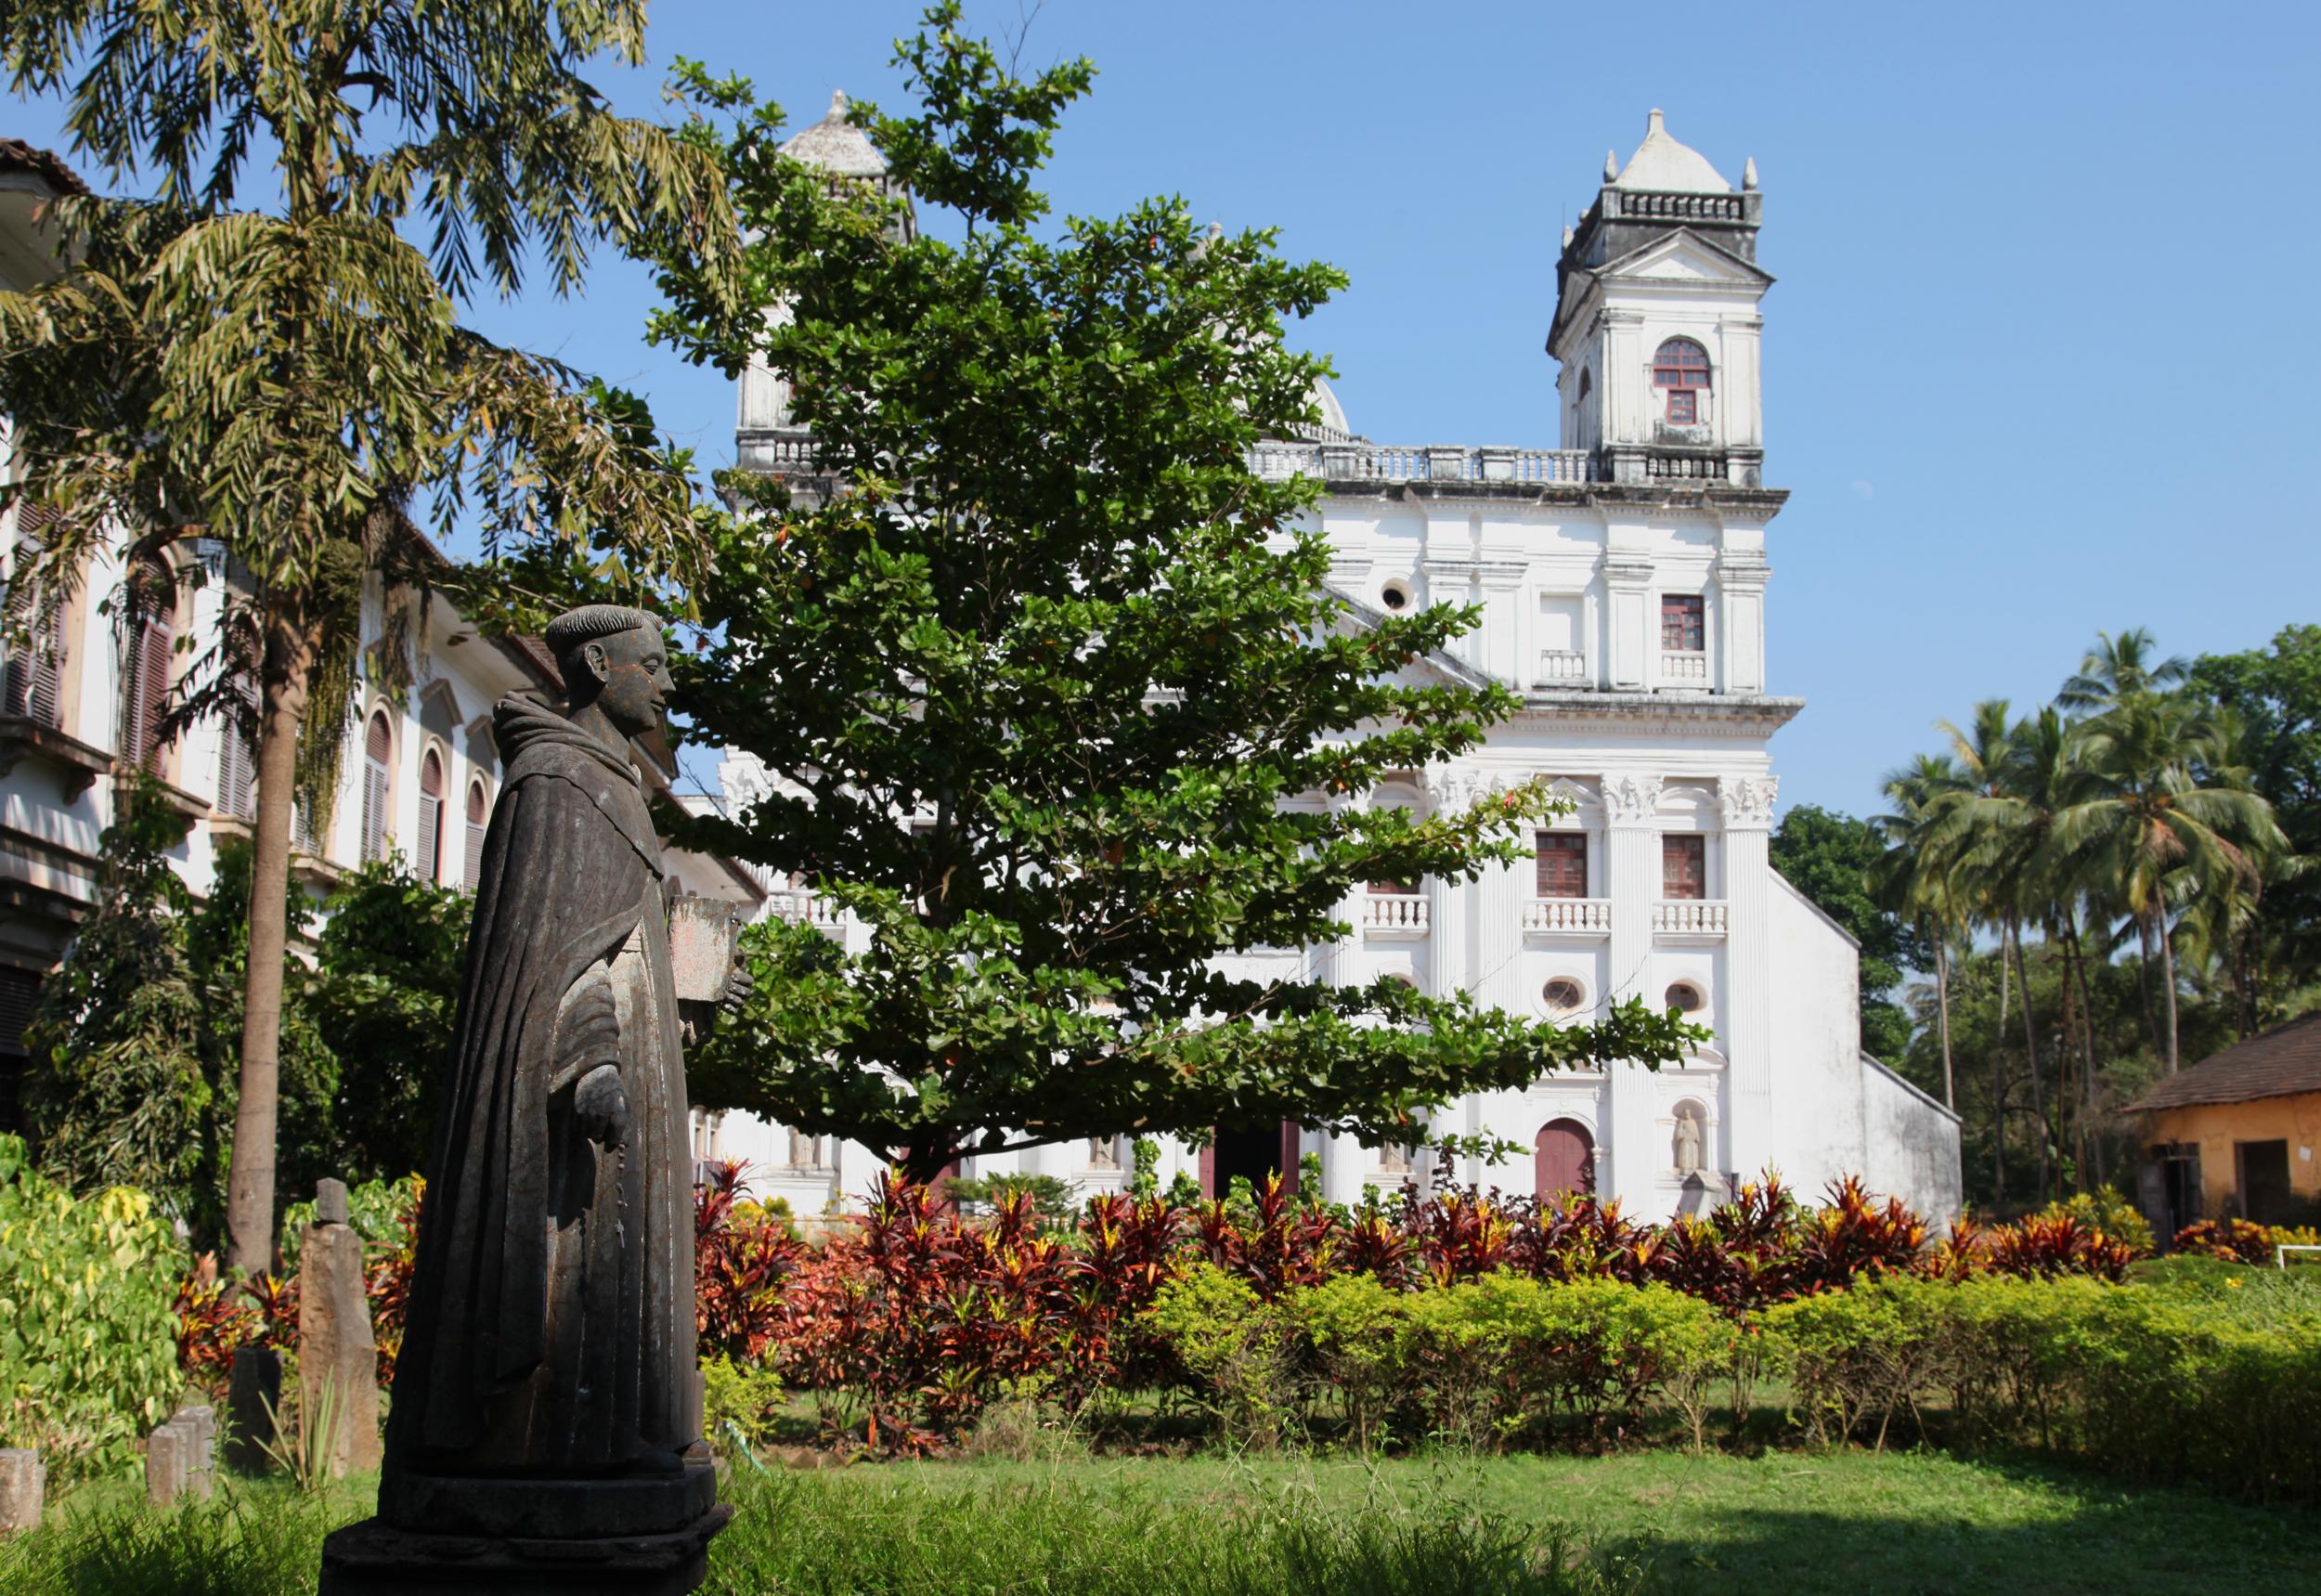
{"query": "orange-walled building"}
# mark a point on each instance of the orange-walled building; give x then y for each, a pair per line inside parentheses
(2238, 1133)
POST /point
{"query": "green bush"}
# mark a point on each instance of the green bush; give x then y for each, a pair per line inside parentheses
(738, 1403)
(1236, 1347)
(1355, 1325)
(2110, 1209)
(88, 1351)
(1864, 1354)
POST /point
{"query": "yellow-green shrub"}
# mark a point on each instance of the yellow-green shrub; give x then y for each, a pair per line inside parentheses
(1236, 1346)
(88, 1351)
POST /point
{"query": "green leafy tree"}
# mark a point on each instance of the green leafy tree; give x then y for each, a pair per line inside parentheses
(284, 371)
(1833, 859)
(1056, 698)
(1914, 878)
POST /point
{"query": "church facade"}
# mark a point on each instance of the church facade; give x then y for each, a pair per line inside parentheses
(1622, 576)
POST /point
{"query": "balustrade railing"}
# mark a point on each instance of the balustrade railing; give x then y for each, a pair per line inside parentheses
(1689, 917)
(801, 908)
(1569, 916)
(1683, 667)
(1405, 912)
(1562, 667)
(1411, 463)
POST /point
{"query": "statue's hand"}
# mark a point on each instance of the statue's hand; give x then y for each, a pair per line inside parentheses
(739, 984)
(600, 1104)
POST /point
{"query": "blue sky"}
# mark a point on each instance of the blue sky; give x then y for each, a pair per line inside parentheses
(2030, 362)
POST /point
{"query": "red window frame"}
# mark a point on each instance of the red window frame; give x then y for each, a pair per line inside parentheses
(1560, 865)
(1684, 866)
(1681, 365)
(1683, 623)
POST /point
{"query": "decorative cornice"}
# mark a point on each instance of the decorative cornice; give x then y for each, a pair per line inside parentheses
(1691, 715)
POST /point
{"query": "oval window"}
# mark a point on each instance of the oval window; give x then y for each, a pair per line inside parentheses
(1563, 995)
(1395, 596)
(1685, 998)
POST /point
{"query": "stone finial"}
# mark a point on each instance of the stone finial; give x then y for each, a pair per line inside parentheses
(1654, 123)
(1748, 174)
(23, 1483)
(1567, 235)
(329, 1202)
(1611, 165)
(837, 105)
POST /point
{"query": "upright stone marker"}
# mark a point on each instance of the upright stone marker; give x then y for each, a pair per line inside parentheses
(338, 1356)
(545, 1434)
(252, 1400)
(23, 1484)
(166, 1451)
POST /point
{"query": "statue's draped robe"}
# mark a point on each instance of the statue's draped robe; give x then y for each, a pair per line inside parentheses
(552, 1310)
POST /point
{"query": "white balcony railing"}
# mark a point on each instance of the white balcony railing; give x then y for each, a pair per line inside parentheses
(1417, 462)
(1562, 668)
(1689, 917)
(1683, 667)
(1568, 917)
(1396, 913)
(808, 909)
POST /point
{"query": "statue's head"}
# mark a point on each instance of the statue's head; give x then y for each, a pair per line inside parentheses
(613, 657)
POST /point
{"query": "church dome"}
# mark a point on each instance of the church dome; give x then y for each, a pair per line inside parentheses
(836, 145)
(1333, 427)
(1664, 166)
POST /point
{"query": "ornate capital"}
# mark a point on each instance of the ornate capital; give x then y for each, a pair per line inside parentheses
(1630, 800)
(1749, 801)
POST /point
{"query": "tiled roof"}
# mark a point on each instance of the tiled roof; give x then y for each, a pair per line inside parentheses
(18, 156)
(2277, 1063)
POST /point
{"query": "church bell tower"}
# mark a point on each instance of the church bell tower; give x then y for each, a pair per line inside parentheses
(1657, 320)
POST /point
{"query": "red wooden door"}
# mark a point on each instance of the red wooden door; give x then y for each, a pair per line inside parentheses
(1566, 1159)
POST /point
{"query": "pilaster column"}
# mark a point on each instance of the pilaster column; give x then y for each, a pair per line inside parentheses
(1504, 630)
(1740, 576)
(1629, 665)
(1748, 802)
(1625, 1164)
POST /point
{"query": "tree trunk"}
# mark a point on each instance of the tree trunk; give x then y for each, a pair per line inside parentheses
(2168, 977)
(2068, 1127)
(1942, 1014)
(2143, 975)
(2087, 1057)
(2030, 1056)
(284, 679)
(1998, 1086)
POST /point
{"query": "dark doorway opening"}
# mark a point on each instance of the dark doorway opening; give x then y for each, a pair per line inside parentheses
(1250, 1154)
(2262, 1168)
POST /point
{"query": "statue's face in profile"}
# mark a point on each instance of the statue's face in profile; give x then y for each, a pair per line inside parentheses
(632, 673)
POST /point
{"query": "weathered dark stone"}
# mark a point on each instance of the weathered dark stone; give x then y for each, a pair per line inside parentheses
(336, 1349)
(329, 1202)
(165, 1452)
(23, 1487)
(255, 1390)
(546, 1428)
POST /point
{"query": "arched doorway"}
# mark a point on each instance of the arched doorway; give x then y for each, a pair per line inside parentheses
(1565, 1159)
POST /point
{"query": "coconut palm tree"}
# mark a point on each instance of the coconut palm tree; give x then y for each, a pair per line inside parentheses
(283, 377)
(1913, 879)
(2161, 821)
(2119, 669)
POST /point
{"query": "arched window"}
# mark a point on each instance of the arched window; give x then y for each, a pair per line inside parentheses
(430, 815)
(378, 750)
(478, 809)
(151, 620)
(1682, 367)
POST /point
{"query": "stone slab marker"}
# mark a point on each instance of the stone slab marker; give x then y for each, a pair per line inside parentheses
(336, 1349)
(257, 1384)
(166, 1451)
(23, 1483)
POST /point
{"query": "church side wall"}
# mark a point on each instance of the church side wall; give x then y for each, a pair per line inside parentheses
(1912, 1149)
(1816, 1130)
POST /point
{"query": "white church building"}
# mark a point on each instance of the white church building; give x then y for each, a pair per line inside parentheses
(1622, 577)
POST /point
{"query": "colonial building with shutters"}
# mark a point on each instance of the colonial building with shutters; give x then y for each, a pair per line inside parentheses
(88, 676)
(1623, 578)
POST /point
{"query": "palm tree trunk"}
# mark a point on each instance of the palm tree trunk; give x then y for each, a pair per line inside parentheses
(2087, 1057)
(2067, 1122)
(2168, 976)
(1942, 1016)
(2144, 974)
(2030, 1056)
(1998, 1085)
(284, 683)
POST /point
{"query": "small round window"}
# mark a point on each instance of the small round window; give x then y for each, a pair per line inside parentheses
(1685, 998)
(1563, 995)
(1395, 596)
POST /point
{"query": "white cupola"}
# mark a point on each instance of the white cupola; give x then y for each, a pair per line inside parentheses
(1657, 320)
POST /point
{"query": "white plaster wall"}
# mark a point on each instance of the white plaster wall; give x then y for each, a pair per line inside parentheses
(1913, 1145)
(1817, 1132)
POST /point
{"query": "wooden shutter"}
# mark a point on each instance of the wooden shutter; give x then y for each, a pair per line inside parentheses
(1683, 868)
(477, 809)
(238, 757)
(1561, 864)
(430, 815)
(378, 746)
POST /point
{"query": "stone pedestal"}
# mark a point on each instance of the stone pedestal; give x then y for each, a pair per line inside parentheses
(23, 1484)
(629, 1536)
(337, 1352)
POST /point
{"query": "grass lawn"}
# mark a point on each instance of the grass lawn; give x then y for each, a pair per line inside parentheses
(1790, 1521)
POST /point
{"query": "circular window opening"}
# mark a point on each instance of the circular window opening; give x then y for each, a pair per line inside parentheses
(1395, 596)
(1685, 998)
(1563, 995)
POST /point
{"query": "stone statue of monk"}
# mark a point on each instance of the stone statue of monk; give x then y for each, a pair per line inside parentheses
(546, 1387)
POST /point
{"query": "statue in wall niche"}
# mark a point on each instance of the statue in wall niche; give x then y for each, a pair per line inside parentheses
(1100, 1153)
(1689, 1138)
(547, 1392)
